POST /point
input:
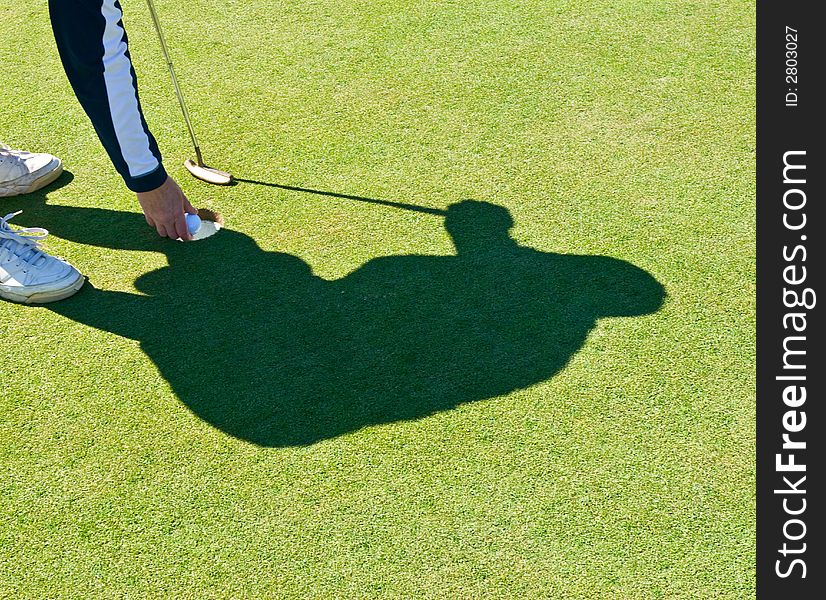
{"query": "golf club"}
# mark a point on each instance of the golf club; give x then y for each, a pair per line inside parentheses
(198, 169)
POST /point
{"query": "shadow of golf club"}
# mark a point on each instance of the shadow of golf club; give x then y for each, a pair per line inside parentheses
(292, 188)
(274, 355)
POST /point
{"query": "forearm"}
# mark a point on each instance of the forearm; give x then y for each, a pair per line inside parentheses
(94, 50)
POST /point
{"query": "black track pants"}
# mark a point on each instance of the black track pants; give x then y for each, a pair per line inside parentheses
(94, 49)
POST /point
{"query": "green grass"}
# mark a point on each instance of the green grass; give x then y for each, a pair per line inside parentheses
(365, 414)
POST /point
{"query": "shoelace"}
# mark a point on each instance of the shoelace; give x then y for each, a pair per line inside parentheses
(24, 243)
(6, 153)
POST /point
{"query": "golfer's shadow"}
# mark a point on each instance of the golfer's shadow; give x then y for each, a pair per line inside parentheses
(272, 354)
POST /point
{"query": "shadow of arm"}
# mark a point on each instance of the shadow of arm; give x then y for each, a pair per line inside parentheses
(623, 289)
(117, 312)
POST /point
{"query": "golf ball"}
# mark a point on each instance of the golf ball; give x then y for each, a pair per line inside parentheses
(193, 222)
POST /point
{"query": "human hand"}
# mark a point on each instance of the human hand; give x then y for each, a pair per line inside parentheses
(165, 208)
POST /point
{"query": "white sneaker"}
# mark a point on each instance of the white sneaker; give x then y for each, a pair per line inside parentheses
(23, 172)
(27, 273)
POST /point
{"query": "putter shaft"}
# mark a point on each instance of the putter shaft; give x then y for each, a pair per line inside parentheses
(175, 85)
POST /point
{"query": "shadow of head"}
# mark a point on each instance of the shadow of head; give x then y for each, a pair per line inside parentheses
(476, 226)
(271, 354)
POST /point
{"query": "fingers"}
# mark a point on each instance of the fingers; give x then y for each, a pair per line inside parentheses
(174, 230)
(165, 208)
(188, 208)
(181, 229)
(151, 222)
(180, 221)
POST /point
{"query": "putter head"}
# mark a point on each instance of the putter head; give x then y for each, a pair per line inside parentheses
(207, 174)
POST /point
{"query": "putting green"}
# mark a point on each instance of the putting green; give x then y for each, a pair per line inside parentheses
(481, 323)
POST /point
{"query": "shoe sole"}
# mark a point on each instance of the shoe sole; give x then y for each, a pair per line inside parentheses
(33, 181)
(46, 296)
